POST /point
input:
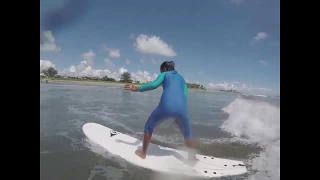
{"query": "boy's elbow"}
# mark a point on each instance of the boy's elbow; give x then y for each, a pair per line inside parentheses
(154, 87)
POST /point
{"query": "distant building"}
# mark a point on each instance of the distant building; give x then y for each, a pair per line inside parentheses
(91, 78)
(231, 90)
(138, 81)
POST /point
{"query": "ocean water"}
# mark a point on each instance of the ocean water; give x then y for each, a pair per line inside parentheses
(233, 126)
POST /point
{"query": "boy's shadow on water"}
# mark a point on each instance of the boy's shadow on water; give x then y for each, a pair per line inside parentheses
(156, 150)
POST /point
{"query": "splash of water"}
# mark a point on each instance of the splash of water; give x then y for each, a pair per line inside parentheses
(259, 123)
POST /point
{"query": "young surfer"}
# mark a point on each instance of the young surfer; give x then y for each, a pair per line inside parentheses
(173, 104)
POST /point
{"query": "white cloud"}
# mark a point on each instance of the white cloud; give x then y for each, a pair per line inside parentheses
(47, 42)
(141, 61)
(236, 86)
(127, 61)
(143, 76)
(191, 82)
(263, 62)
(221, 86)
(85, 68)
(153, 45)
(88, 57)
(122, 70)
(45, 64)
(260, 36)
(153, 61)
(113, 53)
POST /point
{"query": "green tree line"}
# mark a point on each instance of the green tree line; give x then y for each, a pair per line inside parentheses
(50, 72)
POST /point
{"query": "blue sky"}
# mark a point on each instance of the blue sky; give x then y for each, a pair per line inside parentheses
(218, 43)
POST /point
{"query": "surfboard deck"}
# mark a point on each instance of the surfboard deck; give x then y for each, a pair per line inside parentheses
(161, 159)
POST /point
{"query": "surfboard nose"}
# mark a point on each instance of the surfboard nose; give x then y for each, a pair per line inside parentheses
(91, 124)
(88, 126)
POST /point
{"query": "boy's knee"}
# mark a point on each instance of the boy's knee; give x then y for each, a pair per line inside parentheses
(148, 129)
(190, 143)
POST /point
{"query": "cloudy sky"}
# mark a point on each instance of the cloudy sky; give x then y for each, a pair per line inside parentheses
(221, 44)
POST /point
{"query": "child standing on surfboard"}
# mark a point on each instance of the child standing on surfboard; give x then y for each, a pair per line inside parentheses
(173, 104)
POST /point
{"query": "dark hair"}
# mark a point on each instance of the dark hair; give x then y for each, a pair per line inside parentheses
(169, 65)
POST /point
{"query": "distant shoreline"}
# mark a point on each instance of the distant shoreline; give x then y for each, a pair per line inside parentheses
(107, 84)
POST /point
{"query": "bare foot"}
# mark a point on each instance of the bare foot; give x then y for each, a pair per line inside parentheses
(140, 154)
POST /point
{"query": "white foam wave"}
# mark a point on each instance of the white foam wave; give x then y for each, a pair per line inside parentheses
(257, 122)
(223, 140)
(260, 95)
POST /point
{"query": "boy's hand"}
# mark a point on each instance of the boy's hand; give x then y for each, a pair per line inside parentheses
(131, 87)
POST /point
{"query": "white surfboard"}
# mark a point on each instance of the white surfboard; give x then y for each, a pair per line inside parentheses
(161, 159)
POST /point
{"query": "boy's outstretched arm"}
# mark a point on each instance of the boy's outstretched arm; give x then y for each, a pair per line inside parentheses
(152, 85)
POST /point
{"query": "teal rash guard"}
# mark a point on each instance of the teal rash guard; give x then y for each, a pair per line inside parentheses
(156, 83)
